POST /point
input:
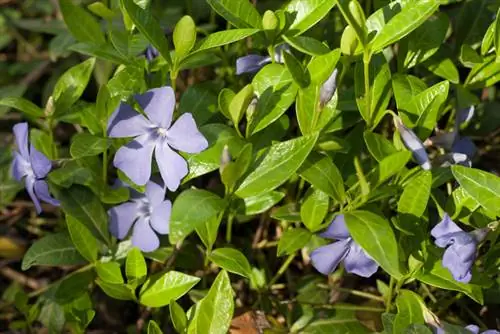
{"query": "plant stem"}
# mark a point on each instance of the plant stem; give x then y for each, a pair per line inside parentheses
(349, 307)
(105, 167)
(366, 72)
(362, 294)
(282, 269)
(229, 230)
(389, 294)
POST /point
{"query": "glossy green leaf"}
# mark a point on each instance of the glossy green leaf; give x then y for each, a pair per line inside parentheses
(292, 240)
(353, 14)
(321, 172)
(232, 172)
(240, 13)
(178, 316)
(485, 74)
(307, 45)
(260, 203)
(224, 99)
(375, 235)
(379, 146)
(442, 65)
(310, 114)
(126, 81)
(135, 265)
(208, 231)
(116, 291)
(109, 272)
(391, 165)
(184, 220)
(307, 13)
(294, 66)
(416, 193)
(488, 39)
(52, 250)
(225, 37)
(83, 240)
(482, 186)
(184, 36)
(153, 328)
(105, 51)
(288, 212)
(161, 288)
(240, 102)
(321, 67)
(75, 18)
(23, 105)
(85, 144)
(406, 87)
(201, 101)
(231, 260)
(411, 310)
(278, 163)
(314, 209)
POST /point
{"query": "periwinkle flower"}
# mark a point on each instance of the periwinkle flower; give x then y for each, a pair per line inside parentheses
(155, 133)
(475, 329)
(252, 63)
(460, 252)
(414, 144)
(328, 88)
(326, 258)
(149, 213)
(33, 166)
(151, 53)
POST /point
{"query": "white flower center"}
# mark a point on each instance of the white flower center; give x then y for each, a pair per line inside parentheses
(162, 132)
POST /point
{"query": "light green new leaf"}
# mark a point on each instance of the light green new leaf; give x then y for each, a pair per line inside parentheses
(482, 186)
(185, 220)
(240, 13)
(443, 66)
(221, 38)
(416, 194)
(240, 102)
(184, 36)
(379, 146)
(314, 209)
(410, 18)
(231, 260)
(135, 265)
(292, 240)
(375, 235)
(83, 240)
(23, 105)
(307, 45)
(307, 13)
(109, 272)
(485, 74)
(161, 288)
(153, 328)
(85, 144)
(391, 165)
(75, 18)
(52, 250)
(488, 39)
(116, 291)
(411, 310)
(406, 87)
(178, 316)
(321, 67)
(279, 163)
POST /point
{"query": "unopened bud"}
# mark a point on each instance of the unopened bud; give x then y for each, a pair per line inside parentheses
(49, 107)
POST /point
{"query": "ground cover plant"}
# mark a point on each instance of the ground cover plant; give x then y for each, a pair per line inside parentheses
(265, 166)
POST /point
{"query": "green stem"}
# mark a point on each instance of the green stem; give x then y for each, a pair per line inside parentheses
(229, 230)
(173, 79)
(366, 70)
(271, 51)
(389, 294)
(282, 269)
(105, 167)
(362, 294)
(348, 307)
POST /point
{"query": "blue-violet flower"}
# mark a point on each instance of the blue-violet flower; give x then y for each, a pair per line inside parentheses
(475, 329)
(414, 144)
(252, 63)
(328, 88)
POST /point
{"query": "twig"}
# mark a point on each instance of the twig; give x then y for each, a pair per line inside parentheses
(20, 278)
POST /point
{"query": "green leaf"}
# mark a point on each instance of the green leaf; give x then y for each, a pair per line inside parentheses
(83, 240)
(411, 309)
(240, 103)
(178, 316)
(321, 172)
(208, 231)
(379, 146)
(153, 328)
(161, 288)
(85, 144)
(485, 74)
(105, 51)
(391, 165)
(314, 208)
(200, 101)
(184, 36)
(128, 80)
(406, 87)
(443, 66)
(292, 240)
(232, 172)
(321, 67)
(340, 322)
(375, 235)
(224, 99)
(410, 18)
(278, 163)
(71, 85)
(482, 186)
(109, 272)
(353, 13)
(148, 26)
(488, 39)
(276, 92)
(288, 212)
(23, 105)
(116, 291)
(135, 265)
(231, 260)
(184, 220)
(75, 18)
(307, 13)
(416, 193)
(52, 250)
(214, 312)
(299, 74)
(307, 45)
(83, 205)
(225, 37)
(260, 203)
(240, 13)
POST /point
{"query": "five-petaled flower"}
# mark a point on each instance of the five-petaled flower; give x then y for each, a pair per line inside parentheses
(33, 166)
(148, 212)
(460, 252)
(326, 258)
(155, 133)
(475, 329)
(253, 63)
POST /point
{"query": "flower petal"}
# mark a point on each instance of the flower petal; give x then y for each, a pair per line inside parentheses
(337, 229)
(414, 144)
(172, 166)
(464, 115)
(359, 262)
(459, 258)
(445, 227)
(155, 192)
(472, 328)
(126, 122)
(21, 136)
(328, 88)
(42, 192)
(444, 140)
(121, 218)
(40, 164)
(326, 258)
(134, 159)
(30, 188)
(160, 217)
(446, 160)
(144, 237)
(465, 146)
(158, 104)
(184, 135)
(251, 63)
(20, 167)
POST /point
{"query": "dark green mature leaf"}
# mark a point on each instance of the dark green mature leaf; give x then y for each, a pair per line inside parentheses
(184, 219)
(391, 165)
(126, 81)
(411, 309)
(23, 105)
(200, 101)
(79, 202)
(148, 26)
(485, 74)
(307, 45)
(52, 250)
(208, 231)
(221, 38)
(294, 66)
(153, 328)
(379, 146)
(415, 196)
(109, 272)
(75, 18)
(321, 172)
(105, 51)
(240, 13)
(406, 87)
(375, 235)
(442, 65)
(341, 322)
(410, 18)
(314, 208)
(292, 240)
(85, 144)
(83, 240)
(231, 260)
(482, 186)
(116, 291)
(307, 13)
(178, 316)
(276, 166)
(161, 288)
(214, 312)
(260, 203)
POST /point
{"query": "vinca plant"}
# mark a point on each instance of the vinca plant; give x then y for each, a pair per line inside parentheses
(236, 166)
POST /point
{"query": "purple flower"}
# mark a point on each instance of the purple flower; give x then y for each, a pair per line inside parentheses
(328, 88)
(33, 166)
(326, 258)
(148, 213)
(475, 329)
(460, 252)
(151, 53)
(413, 144)
(155, 133)
(253, 63)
